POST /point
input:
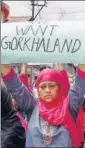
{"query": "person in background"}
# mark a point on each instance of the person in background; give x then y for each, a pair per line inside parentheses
(23, 122)
(81, 115)
(68, 83)
(12, 132)
(4, 12)
(20, 93)
(24, 78)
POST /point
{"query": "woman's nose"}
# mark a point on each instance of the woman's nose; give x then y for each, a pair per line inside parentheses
(47, 89)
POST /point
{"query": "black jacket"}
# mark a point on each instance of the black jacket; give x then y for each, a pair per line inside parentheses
(12, 132)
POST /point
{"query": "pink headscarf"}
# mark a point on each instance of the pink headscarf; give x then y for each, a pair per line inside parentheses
(57, 112)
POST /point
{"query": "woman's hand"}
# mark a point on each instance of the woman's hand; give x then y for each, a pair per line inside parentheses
(5, 69)
(82, 67)
(60, 67)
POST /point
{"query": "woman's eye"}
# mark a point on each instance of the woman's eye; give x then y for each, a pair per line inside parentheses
(42, 87)
(51, 86)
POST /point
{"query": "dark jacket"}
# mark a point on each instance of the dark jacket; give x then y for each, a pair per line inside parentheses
(12, 132)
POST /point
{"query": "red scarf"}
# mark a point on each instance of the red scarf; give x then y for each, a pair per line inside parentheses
(57, 112)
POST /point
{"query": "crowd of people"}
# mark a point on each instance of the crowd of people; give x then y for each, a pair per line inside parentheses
(54, 116)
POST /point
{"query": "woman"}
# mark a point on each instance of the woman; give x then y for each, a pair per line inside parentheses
(12, 132)
(53, 122)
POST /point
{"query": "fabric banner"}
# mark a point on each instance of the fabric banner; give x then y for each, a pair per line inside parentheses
(54, 42)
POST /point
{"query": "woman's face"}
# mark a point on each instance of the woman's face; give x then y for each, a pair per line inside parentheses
(48, 91)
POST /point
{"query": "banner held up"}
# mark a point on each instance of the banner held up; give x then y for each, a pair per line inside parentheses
(54, 42)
